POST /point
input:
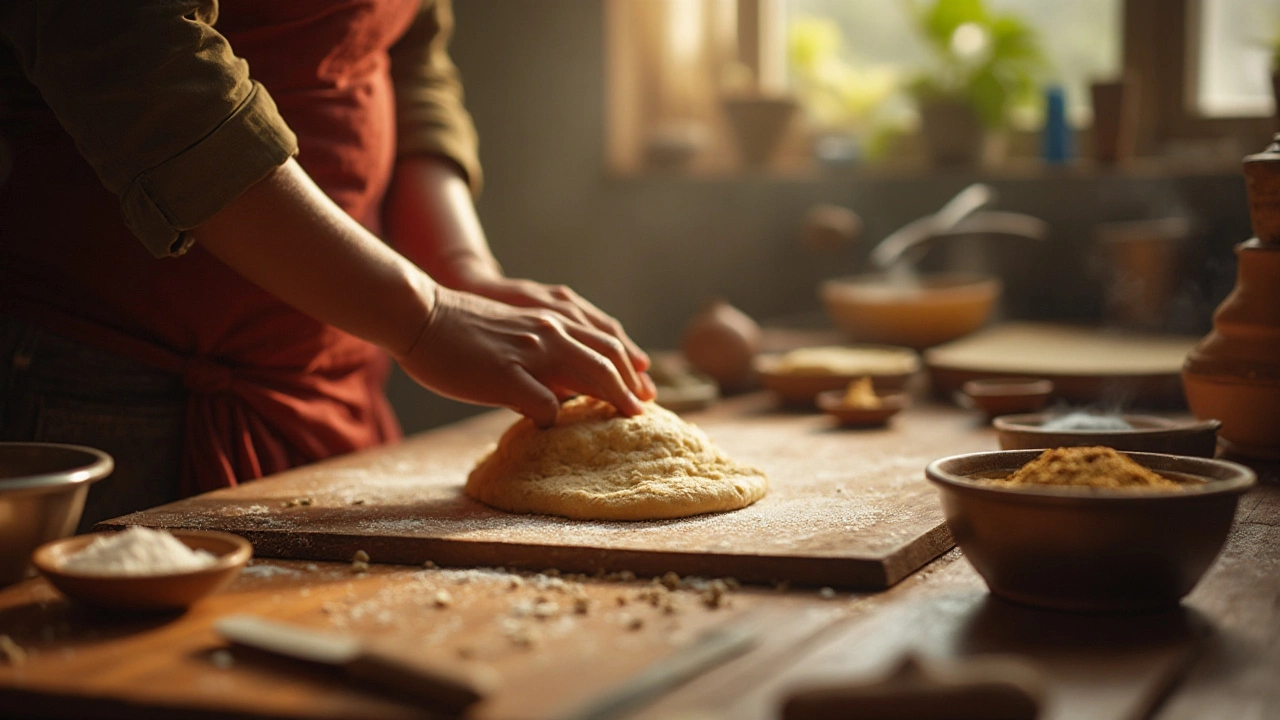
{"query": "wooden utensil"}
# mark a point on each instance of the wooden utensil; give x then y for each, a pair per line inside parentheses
(443, 688)
(994, 688)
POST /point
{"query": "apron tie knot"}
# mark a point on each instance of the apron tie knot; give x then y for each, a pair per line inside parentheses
(205, 377)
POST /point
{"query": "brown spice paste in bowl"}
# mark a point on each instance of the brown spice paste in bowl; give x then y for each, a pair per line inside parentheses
(1086, 467)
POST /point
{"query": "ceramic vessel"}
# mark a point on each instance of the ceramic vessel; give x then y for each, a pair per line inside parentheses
(874, 308)
(165, 592)
(1146, 433)
(1006, 396)
(759, 124)
(720, 342)
(1233, 374)
(832, 402)
(1115, 119)
(1088, 550)
(953, 133)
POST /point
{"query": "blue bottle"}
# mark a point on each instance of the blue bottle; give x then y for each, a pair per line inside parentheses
(1056, 139)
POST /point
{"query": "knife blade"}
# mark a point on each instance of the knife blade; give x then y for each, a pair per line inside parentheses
(441, 688)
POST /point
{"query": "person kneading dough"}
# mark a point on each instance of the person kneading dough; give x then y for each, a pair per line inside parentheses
(595, 464)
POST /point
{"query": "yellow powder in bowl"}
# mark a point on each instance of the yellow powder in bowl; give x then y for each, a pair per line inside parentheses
(1090, 467)
(861, 394)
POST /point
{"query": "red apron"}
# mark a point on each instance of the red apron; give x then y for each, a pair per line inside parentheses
(270, 388)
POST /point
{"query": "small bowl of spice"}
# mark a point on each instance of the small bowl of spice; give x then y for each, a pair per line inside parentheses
(140, 569)
(859, 404)
(1089, 529)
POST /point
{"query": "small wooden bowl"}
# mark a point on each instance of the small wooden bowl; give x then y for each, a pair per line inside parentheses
(1089, 550)
(145, 593)
(1006, 396)
(832, 403)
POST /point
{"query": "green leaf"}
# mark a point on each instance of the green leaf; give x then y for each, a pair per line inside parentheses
(1012, 40)
(989, 97)
(944, 16)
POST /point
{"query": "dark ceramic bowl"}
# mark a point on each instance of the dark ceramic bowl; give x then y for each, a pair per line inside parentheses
(1083, 550)
(1149, 433)
(1006, 396)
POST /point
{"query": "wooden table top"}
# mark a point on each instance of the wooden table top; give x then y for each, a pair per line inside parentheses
(559, 642)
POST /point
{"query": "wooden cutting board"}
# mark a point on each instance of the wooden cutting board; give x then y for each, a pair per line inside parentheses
(845, 508)
(1111, 369)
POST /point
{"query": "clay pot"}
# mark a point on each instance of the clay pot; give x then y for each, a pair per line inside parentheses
(953, 133)
(1233, 374)
(759, 124)
(1262, 182)
(721, 341)
(1115, 119)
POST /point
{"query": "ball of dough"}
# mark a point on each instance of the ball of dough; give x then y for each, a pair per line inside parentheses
(594, 464)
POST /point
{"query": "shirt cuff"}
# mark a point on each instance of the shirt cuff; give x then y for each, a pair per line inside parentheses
(180, 194)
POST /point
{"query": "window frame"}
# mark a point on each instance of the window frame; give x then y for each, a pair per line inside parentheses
(1171, 131)
(1168, 76)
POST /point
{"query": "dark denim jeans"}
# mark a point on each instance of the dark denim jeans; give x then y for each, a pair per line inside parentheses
(53, 389)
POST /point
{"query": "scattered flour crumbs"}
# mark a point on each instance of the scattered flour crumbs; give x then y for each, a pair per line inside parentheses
(137, 551)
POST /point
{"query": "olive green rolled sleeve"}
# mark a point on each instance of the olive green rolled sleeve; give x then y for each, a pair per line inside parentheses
(430, 114)
(157, 103)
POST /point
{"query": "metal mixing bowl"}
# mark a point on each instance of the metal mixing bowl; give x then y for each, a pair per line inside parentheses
(42, 492)
(1089, 551)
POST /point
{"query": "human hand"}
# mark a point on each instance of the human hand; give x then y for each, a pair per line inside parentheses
(483, 351)
(564, 301)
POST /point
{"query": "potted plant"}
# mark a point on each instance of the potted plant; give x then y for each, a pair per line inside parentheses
(984, 64)
(851, 105)
(758, 120)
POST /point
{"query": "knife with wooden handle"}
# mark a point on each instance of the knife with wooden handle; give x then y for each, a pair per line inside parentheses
(447, 689)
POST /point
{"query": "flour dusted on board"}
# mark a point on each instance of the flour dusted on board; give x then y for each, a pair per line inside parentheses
(137, 551)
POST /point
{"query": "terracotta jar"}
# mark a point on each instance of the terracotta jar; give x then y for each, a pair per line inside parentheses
(1233, 374)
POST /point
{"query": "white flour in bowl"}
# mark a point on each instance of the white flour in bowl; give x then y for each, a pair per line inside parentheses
(137, 551)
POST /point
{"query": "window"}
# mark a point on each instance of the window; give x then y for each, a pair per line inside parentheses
(1237, 39)
(721, 86)
(858, 64)
(1081, 38)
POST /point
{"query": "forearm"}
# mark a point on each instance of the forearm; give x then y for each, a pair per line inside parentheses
(431, 220)
(287, 236)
